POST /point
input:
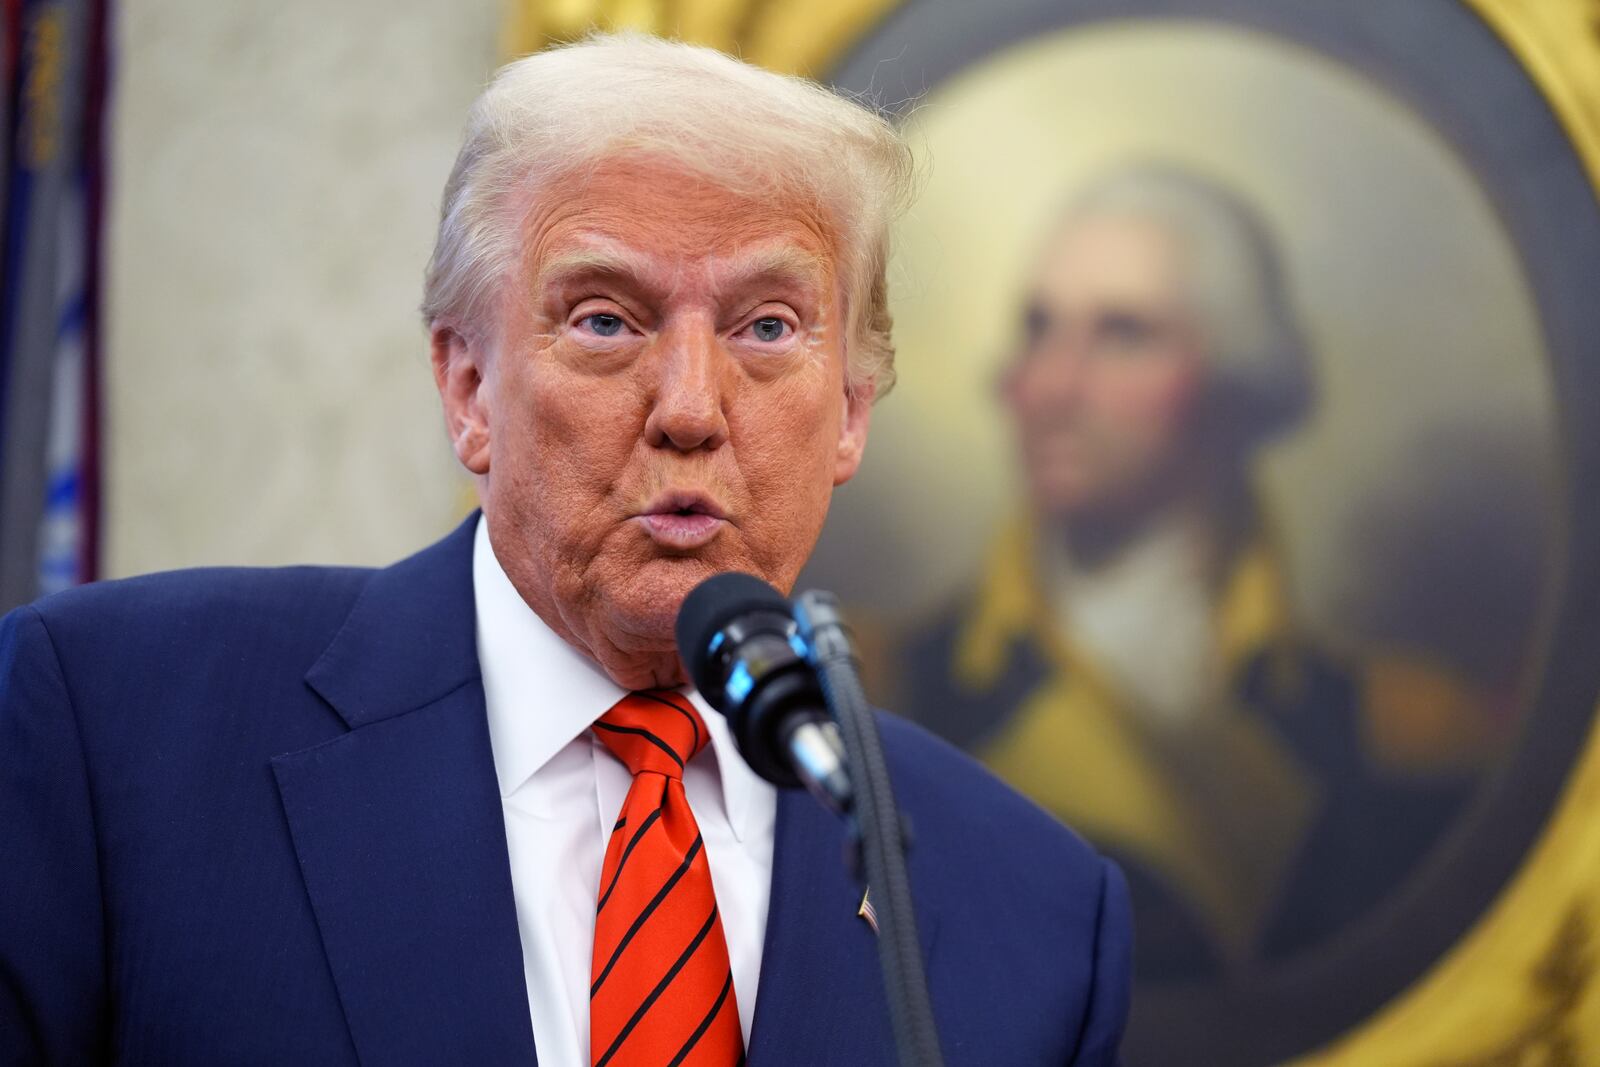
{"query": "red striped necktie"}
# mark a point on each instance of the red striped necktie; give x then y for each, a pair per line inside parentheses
(661, 989)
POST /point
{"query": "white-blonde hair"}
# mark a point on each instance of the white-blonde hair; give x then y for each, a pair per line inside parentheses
(1259, 365)
(752, 131)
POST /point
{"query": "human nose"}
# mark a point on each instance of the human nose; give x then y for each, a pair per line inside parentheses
(1053, 373)
(687, 411)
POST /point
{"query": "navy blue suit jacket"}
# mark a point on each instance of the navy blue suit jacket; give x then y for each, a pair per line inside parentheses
(250, 817)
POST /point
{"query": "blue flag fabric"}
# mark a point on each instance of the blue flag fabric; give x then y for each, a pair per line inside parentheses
(55, 87)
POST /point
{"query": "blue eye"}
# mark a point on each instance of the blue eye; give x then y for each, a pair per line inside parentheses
(604, 325)
(769, 329)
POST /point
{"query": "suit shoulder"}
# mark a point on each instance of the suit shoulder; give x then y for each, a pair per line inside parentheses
(1007, 882)
(212, 603)
(974, 809)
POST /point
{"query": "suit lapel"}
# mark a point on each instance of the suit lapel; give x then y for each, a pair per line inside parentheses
(821, 997)
(399, 831)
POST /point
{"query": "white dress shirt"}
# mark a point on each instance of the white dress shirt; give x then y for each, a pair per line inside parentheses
(561, 791)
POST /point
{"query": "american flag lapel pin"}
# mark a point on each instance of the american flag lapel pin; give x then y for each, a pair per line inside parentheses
(867, 911)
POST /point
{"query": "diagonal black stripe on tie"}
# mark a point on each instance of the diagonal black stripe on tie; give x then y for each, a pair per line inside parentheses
(647, 735)
(649, 909)
(705, 1024)
(623, 862)
(693, 725)
(620, 823)
(661, 987)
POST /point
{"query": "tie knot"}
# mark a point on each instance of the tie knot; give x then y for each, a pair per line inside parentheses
(653, 730)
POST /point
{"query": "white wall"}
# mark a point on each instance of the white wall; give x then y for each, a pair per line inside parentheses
(276, 170)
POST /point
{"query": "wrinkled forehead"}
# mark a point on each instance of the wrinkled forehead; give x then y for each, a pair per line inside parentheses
(664, 227)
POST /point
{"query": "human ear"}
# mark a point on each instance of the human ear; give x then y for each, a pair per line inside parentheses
(458, 374)
(853, 431)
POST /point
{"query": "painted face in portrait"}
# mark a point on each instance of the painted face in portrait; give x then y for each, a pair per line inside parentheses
(1104, 391)
(665, 400)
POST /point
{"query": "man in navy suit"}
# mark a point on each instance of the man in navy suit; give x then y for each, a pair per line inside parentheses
(464, 809)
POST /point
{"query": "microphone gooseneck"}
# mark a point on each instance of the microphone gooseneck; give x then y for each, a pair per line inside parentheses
(785, 677)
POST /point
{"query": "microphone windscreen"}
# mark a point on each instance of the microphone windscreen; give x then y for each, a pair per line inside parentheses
(709, 607)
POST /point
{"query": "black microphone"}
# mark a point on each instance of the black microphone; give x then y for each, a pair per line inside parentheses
(737, 636)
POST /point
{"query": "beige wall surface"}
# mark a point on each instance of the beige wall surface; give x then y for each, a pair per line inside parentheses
(276, 170)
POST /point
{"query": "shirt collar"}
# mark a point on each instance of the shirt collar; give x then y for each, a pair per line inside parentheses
(1252, 608)
(542, 693)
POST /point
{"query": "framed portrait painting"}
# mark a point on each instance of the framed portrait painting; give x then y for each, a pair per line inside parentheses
(1238, 499)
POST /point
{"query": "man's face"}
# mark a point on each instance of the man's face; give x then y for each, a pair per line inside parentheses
(1105, 388)
(666, 400)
